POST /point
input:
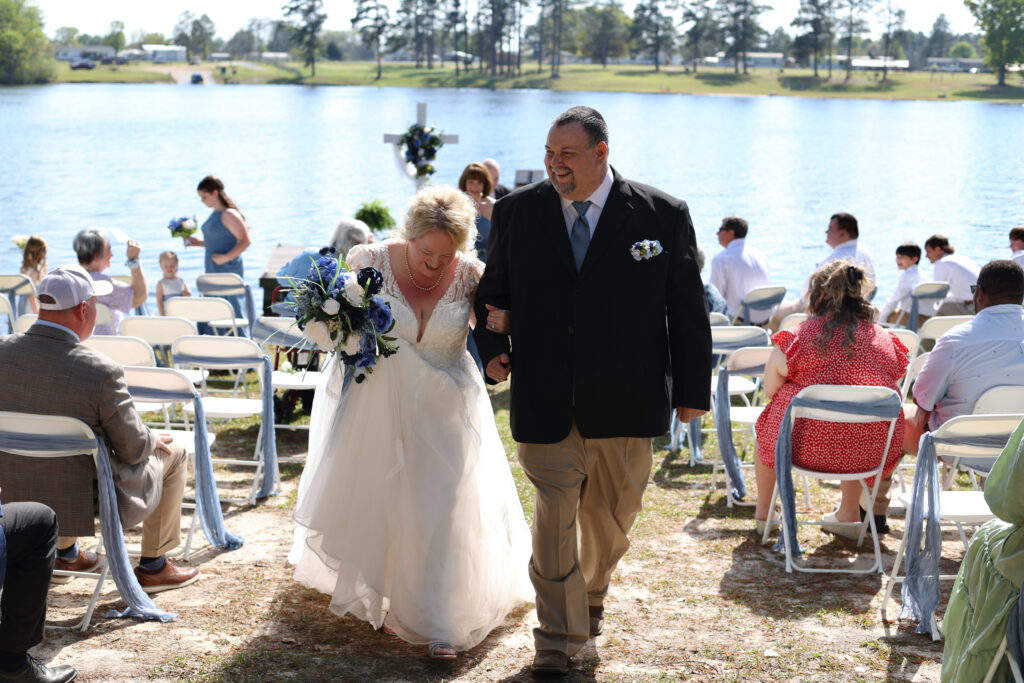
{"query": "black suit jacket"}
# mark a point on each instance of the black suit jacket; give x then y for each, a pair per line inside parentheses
(614, 346)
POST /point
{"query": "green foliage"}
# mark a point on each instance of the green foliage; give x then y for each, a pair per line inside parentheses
(376, 215)
(309, 19)
(1002, 21)
(605, 32)
(195, 34)
(25, 53)
(963, 50)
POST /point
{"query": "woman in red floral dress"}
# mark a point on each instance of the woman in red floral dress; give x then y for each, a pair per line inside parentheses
(838, 344)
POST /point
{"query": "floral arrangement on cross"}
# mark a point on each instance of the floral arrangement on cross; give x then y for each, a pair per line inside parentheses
(340, 312)
(421, 144)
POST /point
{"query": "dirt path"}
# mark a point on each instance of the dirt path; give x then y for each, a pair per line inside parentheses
(182, 73)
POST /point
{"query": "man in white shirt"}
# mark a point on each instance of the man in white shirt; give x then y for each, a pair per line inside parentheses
(973, 357)
(1017, 245)
(908, 255)
(841, 235)
(959, 271)
(738, 269)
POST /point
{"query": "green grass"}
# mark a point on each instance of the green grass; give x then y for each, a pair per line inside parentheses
(113, 74)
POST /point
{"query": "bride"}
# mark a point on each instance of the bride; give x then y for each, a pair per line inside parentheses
(408, 514)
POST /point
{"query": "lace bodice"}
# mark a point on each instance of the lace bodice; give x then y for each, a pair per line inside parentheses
(444, 338)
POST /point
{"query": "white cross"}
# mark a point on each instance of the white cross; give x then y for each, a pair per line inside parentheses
(421, 119)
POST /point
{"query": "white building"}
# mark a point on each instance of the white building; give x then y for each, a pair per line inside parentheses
(72, 53)
(165, 53)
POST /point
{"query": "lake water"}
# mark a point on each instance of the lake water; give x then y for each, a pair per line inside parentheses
(297, 159)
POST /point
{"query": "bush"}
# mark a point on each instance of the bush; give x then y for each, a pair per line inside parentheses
(25, 53)
(375, 214)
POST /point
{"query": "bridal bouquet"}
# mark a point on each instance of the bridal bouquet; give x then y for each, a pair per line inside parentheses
(338, 310)
(182, 227)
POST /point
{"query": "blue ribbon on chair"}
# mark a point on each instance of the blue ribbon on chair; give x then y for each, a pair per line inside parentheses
(269, 444)
(888, 407)
(291, 337)
(3, 551)
(723, 427)
(139, 604)
(207, 500)
(921, 585)
(761, 305)
(915, 306)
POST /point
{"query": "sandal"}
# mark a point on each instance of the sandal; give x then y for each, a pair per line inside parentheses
(441, 650)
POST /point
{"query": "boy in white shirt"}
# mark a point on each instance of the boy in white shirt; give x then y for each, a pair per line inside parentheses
(908, 255)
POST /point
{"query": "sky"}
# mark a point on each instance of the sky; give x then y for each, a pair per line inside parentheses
(231, 15)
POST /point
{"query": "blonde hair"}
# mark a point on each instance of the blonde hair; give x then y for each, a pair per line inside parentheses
(34, 256)
(838, 292)
(167, 256)
(444, 208)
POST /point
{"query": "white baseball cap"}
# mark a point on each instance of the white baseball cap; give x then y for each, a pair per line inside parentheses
(69, 286)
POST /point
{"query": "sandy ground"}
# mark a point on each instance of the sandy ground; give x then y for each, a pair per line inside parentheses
(182, 73)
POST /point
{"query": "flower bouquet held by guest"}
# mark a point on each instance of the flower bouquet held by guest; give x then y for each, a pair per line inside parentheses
(170, 285)
(183, 227)
(408, 513)
(838, 344)
(225, 234)
(33, 264)
(94, 254)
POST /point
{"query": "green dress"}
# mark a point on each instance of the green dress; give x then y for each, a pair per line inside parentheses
(990, 577)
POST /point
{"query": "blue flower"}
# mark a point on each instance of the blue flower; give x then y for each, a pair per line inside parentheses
(379, 314)
(365, 360)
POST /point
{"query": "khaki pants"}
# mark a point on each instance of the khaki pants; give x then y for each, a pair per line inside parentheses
(588, 493)
(161, 531)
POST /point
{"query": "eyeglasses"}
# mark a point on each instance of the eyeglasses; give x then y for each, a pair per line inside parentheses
(974, 289)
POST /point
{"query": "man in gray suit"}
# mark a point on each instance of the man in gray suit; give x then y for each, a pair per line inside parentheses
(48, 371)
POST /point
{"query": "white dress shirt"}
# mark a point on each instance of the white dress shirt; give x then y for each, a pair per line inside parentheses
(737, 270)
(849, 251)
(986, 352)
(1018, 258)
(909, 278)
(960, 272)
(597, 201)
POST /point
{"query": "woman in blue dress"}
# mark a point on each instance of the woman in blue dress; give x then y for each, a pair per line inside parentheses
(476, 182)
(225, 234)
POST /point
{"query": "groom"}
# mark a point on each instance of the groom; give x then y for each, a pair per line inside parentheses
(606, 339)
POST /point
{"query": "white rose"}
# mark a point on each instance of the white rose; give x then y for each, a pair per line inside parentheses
(331, 307)
(318, 333)
(189, 224)
(351, 346)
(353, 292)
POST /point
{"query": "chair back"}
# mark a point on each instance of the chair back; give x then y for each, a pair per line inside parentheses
(913, 370)
(24, 322)
(16, 283)
(760, 299)
(965, 427)
(529, 176)
(155, 329)
(844, 393)
(909, 338)
(925, 291)
(725, 340)
(104, 316)
(718, 319)
(1001, 399)
(52, 425)
(220, 284)
(203, 309)
(749, 361)
(223, 353)
(157, 379)
(123, 350)
(6, 308)
(933, 328)
(278, 331)
(792, 320)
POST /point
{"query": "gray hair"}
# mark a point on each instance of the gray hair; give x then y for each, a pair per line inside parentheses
(700, 259)
(89, 243)
(349, 233)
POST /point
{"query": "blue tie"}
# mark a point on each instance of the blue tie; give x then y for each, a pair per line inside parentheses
(580, 235)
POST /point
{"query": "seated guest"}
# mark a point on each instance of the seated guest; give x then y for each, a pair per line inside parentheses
(908, 255)
(716, 302)
(838, 344)
(988, 585)
(959, 271)
(349, 233)
(738, 269)
(841, 235)
(58, 375)
(30, 532)
(94, 254)
(973, 357)
(1017, 245)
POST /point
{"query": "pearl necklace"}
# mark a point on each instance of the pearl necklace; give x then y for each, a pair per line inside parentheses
(408, 270)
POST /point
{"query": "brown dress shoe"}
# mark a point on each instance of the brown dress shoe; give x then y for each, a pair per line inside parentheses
(550, 663)
(85, 562)
(168, 578)
(596, 621)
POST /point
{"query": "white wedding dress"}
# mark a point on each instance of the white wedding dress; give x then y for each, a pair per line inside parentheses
(407, 511)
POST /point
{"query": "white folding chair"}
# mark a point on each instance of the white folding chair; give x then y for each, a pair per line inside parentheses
(718, 319)
(1002, 399)
(13, 286)
(123, 350)
(214, 311)
(525, 177)
(933, 328)
(762, 300)
(283, 333)
(24, 322)
(1015, 666)
(746, 362)
(792, 320)
(847, 394)
(6, 308)
(959, 507)
(27, 423)
(104, 316)
(160, 331)
(925, 291)
(223, 285)
(228, 353)
(909, 339)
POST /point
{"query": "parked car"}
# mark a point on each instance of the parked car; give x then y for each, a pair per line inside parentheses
(197, 79)
(83, 64)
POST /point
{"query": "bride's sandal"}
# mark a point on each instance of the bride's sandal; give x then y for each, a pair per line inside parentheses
(439, 650)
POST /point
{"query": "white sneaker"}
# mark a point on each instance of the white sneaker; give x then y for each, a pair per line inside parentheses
(832, 525)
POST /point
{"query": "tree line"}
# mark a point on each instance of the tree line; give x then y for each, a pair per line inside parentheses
(497, 38)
